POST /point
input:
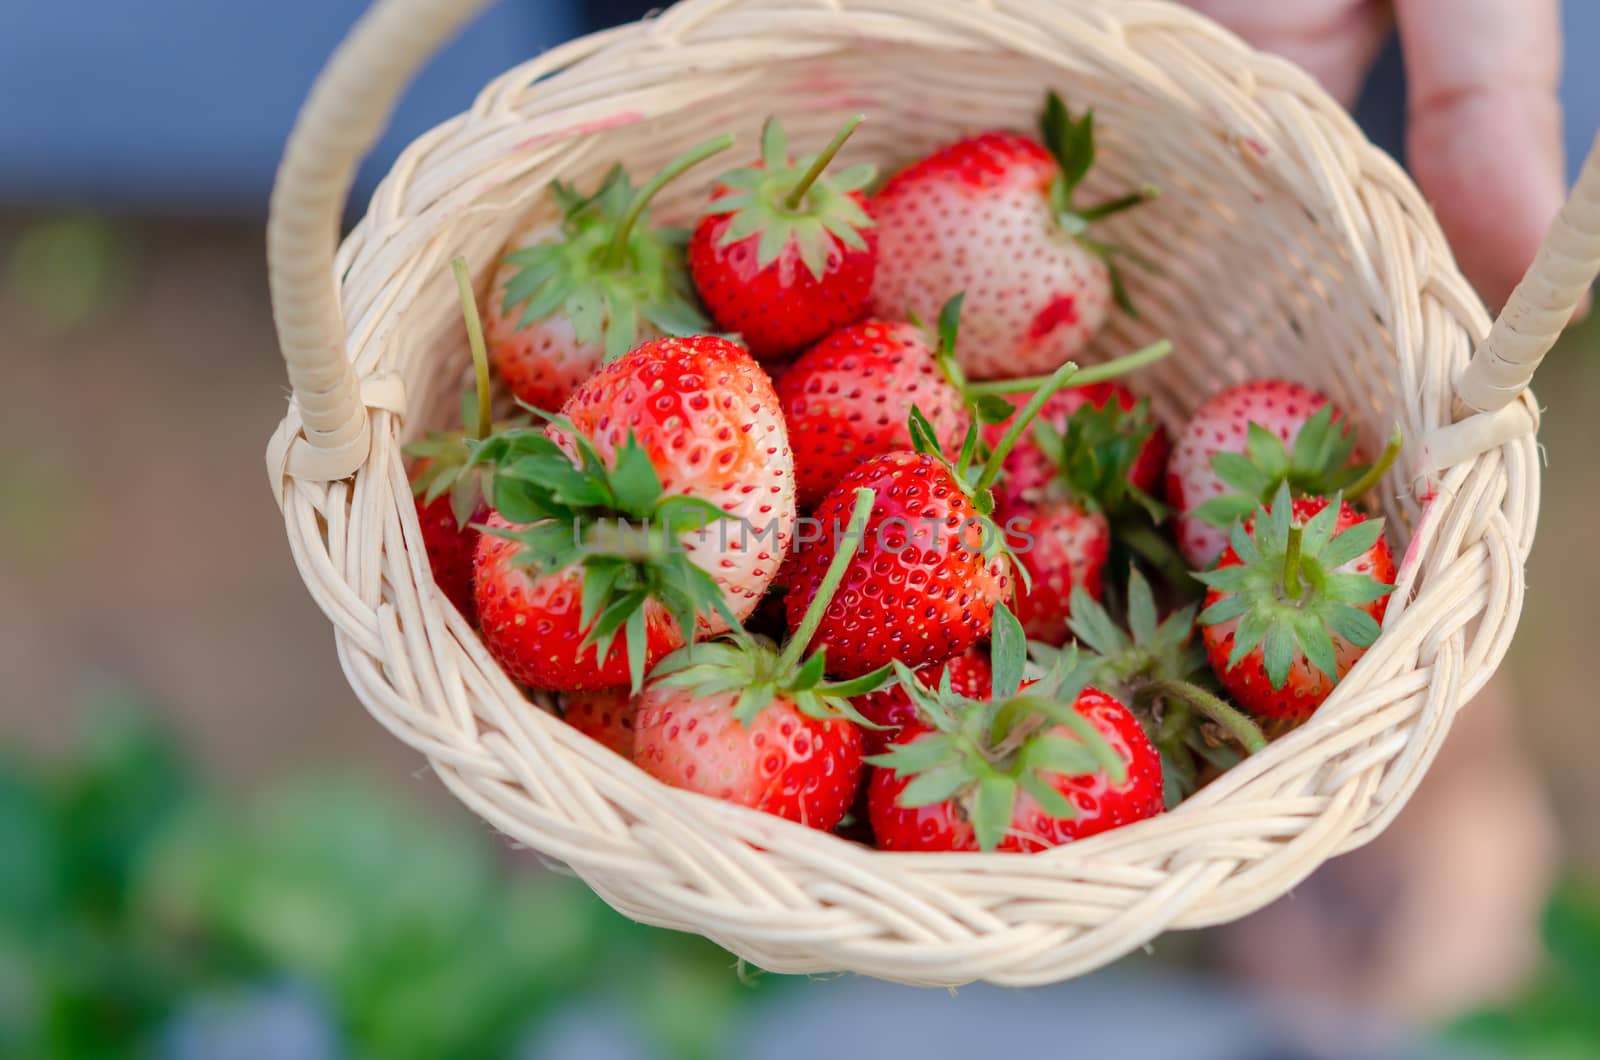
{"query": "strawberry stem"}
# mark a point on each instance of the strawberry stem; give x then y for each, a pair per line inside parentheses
(1117, 205)
(1291, 565)
(617, 250)
(1391, 453)
(844, 551)
(797, 194)
(1020, 422)
(480, 351)
(1097, 373)
(1234, 721)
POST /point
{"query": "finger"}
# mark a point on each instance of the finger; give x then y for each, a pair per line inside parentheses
(1485, 127)
(1336, 41)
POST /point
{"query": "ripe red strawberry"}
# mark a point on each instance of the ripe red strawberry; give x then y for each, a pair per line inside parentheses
(606, 716)
(664, 488)
(1067, 482)
(934, 562)
(738, 720)
(536, 623)
(1024, 769)
(579, 292)
(451, 541)
(1294, 601)
(1126, 423)
(452, 493)
(847, 399)
(784, 253)
(892, 708)
(992, 215)
(1245, 442)
(922, 582)
(780, 759)
(708, 418)
(1067, 544)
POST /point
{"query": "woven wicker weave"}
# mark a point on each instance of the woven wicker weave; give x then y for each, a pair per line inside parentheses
(1287, 245)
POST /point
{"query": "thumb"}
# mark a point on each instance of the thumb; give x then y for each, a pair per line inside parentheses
(1485, 128)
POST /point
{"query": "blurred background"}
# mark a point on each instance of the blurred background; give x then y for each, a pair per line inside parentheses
(208, 850)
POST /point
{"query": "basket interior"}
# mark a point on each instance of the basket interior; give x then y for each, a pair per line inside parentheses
(1252, 271)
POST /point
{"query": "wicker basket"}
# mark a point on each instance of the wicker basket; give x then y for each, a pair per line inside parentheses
(1288, 246)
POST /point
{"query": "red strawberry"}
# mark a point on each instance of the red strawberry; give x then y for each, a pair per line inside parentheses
(581, 291)
(1126, 418)
(452, 493)
(451, 542)
(1067, 482)
(920, 586)
(892, 708)
(1020, 771)
(1294, 601)
(992, 215)
(846, 400)
(738, 720)
(536, 625)
(780, 760)
(784, 253)
(708, 418)
(1066, 548)
(665, 487)
(606, 716)
(925, 580)
(1245, 442)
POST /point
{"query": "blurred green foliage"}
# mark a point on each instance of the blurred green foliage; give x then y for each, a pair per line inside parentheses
(1557, 1016)
(129, 893)
(69, 270)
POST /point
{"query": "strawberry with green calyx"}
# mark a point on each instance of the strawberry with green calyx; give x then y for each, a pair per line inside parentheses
(890, 709)
(579, 293)
(452, 493)
(667, 474)
(610, 536)
(849, 397)
(1070, 483)
(1245, 442)
(1156, 666)
(1020, 770)
(784, 252)
(923, 582)
(740, 720)
(1295, 599)
(1035, 297)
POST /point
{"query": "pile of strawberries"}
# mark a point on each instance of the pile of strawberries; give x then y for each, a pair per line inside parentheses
(810, 509)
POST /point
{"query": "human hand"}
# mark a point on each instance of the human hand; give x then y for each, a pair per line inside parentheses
(1484, 134)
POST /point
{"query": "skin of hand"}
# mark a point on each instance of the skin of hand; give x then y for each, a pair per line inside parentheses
(1484, 118)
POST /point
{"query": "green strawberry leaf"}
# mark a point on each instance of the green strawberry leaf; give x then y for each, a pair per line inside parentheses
(1351, 543)
(1049, 799)
(1008, 654)
(992, 809)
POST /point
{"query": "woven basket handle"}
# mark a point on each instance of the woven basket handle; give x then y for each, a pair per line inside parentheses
(349, 107)
(1532, 320)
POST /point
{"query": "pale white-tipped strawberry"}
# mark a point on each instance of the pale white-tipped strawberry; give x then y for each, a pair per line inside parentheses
(1245, 442)
(579, 292)
(993, 215)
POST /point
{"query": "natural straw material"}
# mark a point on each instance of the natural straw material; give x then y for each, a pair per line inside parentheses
(1285, 245)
